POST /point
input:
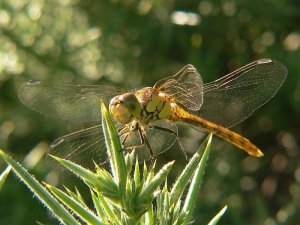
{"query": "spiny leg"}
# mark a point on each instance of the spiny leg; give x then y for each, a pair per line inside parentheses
(125, 139)
(145, 140)
(141, 136)
(176, 135)
(122, 130)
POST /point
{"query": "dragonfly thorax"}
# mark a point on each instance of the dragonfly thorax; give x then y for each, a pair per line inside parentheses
(155, 105)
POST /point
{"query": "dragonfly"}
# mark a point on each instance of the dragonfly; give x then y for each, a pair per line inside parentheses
(147, 118)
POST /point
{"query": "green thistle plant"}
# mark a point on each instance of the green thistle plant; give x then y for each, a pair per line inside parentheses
(126, 195)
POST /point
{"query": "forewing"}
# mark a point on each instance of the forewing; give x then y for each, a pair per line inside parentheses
(83, 147)
(66, 101)
(185, 87)
(234, 97)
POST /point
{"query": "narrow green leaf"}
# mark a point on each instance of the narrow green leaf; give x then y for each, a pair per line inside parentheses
(129, 196)
(217, 217)
(108, 209)
(129, 162)
(98, 206)
(180, 219)
(83, 213)
(103, 183)
(166, 203)
(191, 197)
(145, 172)
(160, 204)
(78, 170)
(177, 207)
(137, 175)
(114, 149)
(184, 178)
(78, 194)
(3, 176)
(77, 197)
(150, 217)
(42, 194)
(149, 189)
(150, 174)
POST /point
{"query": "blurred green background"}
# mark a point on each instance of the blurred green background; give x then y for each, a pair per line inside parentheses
(131, 44)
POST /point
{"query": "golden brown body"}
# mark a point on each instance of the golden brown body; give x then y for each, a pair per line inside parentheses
(179, 114)
(157, 106)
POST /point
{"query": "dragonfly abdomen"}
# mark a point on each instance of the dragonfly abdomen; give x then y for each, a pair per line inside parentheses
(222, 132)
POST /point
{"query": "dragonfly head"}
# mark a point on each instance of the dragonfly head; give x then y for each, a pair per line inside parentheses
(124, 108)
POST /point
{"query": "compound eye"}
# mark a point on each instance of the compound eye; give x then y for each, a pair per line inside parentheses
(131, 101)
(120, 111)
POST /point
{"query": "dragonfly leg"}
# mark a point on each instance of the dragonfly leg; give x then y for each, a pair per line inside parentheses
(122, 130)
(146, 141)
(125, 139)
(176, 135)
(143, 140)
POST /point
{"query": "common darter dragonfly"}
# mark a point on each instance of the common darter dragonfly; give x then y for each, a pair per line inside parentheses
(147, 118)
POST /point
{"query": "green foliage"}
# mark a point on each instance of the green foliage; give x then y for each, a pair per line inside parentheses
(124, 196)
(3, 176)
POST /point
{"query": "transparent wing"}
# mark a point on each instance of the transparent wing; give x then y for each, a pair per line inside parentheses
(234, 97)
(82, 147)
(159, 139)
(87, 146)
(67, 101)
(185, 87)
